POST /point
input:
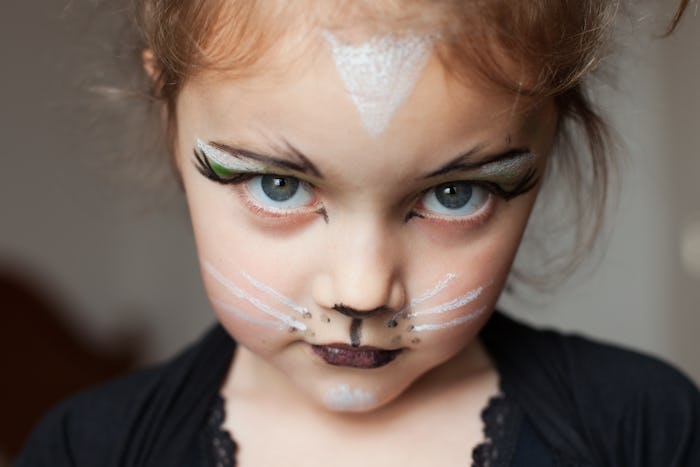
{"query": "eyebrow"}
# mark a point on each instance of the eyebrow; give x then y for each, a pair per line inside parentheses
(465, 162)
(293, 159)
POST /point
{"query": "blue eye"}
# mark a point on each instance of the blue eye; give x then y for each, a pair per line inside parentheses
(458, 199)
(279, 192)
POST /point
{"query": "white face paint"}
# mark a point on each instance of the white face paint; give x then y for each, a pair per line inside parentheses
(472, 315)
(427, 295)
(244, 317)
(380, 74)
(442, 308)
(281, 298)
(226, 160)
(257, 303)
(458, 302)
(509, 168)
(343, 398)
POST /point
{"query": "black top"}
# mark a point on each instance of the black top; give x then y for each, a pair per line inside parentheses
(585, 403)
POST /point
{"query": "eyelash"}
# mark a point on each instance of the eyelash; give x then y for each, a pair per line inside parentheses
(524, 185)
(204, 167)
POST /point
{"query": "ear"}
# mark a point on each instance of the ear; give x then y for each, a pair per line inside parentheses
(151, 65)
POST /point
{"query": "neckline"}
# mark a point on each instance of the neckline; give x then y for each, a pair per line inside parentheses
(500, 418)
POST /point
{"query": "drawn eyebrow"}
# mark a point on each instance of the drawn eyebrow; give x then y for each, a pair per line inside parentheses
(465, 162)
(302, 165)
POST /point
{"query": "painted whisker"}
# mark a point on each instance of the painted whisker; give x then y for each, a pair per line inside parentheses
(450, 324)
(260, 322)
(434, 291)
(284, 300)
(423, 297)
(291, 322)
(451, 305)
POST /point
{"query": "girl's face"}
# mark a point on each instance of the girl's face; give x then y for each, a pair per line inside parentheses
(356, 223)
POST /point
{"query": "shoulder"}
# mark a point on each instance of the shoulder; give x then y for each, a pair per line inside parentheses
(615, 402)
(111, 420)
(86, 427)
(611, 370)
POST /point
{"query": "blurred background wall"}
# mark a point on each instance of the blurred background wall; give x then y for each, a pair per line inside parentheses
(116, 262)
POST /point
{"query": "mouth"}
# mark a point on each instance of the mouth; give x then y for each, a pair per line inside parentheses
(364, 357)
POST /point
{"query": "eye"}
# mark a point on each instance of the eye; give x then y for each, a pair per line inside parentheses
(274, 192)
(454, 199)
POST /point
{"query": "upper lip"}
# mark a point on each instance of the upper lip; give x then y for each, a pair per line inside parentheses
(355, 357)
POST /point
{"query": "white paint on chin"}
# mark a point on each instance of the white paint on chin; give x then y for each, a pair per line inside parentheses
(380, 74)
(345, 399)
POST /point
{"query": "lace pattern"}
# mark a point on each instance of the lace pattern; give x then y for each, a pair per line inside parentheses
(500, 418)
(218, 441)
(501, 421)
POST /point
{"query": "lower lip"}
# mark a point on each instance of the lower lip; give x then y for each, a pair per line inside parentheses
(355, 357)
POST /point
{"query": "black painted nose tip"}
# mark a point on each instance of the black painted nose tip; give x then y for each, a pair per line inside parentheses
(359, 314)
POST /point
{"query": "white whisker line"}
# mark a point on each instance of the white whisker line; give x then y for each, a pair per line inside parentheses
(228, 308)
(442, 285)
(291, 322)
(269, 290)
(434, 291)
(451, 305)
(455, 322)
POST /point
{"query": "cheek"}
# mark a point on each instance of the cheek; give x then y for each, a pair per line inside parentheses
(244, 276)
(445, 318)
(476, 257)
(250, 308)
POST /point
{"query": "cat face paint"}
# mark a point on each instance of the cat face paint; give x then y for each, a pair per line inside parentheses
(281, 318)
(349, 264)
(379, 74)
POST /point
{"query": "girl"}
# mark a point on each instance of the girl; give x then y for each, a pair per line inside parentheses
(359, 177)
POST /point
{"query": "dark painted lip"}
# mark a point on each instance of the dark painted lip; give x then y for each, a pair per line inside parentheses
(364, 357)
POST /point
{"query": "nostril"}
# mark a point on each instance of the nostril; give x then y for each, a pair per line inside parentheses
(359, 314)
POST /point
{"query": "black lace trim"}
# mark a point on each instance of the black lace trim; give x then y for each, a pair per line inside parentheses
(501, 421)
(218, 442)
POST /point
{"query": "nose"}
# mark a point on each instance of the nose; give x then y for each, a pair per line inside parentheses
(362, 275)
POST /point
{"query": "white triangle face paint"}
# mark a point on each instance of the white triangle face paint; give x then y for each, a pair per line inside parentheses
(380, 74)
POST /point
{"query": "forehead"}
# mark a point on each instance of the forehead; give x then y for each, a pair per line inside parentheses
(314, 84)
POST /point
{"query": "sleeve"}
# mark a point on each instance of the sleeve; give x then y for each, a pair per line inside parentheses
(48, 444)
(69, 435)
(638, 411)
(596, 404)
(85, 430)
(149, 418)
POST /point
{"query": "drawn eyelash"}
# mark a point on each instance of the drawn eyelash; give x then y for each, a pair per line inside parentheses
(204, 167)
(494, 188)
(240, 178)
(524, 185)
(491, 188)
